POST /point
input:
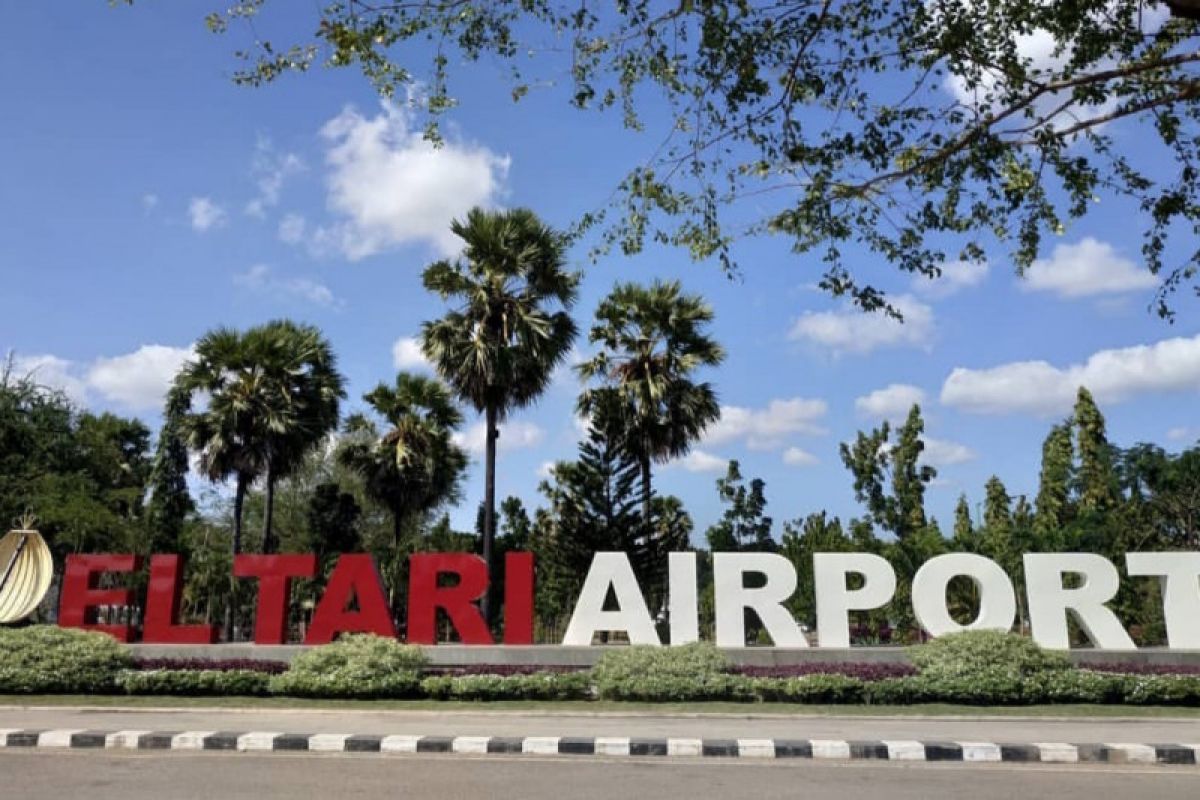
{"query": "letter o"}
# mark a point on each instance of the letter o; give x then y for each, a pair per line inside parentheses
(997, 598)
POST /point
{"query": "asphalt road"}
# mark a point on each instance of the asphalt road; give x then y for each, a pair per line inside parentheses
(519, 723)
(98, 775)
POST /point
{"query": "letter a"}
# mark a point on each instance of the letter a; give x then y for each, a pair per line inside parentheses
(610, 570)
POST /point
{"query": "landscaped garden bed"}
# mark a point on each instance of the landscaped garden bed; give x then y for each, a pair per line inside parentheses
(979, 668)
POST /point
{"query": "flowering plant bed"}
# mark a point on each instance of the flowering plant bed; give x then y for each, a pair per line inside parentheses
(864, 671)
(210, 664)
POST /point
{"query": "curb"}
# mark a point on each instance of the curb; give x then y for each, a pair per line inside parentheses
(818, 749)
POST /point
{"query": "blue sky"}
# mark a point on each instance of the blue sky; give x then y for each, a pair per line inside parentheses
(147, 199)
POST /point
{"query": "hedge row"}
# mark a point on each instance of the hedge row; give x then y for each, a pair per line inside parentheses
(972, 669)
(195, 682)
(1074, 686)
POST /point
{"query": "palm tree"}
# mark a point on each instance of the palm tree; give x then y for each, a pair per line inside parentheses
(414, 466)
(250, 404)
(499, 345)
(652, 340)
(302, 371)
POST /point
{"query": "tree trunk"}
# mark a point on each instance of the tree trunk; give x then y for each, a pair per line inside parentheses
(239, 499)
(394, 589)
(269, 544)
(489, 509)
(647, 505)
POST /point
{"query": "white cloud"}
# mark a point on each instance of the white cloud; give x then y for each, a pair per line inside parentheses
(270, 169)
(1038, 387)
(1043, 58)
(149, 202)
(1183, 434)
(941, 453)
(138, 380)
(764, 428)
(292, 228)
(406, 354)
(52, 372)
(892, 402)
(514, 435)
(260, 278)
(545, 470)
(956, 276)
(700, 461)
(205, 214)
(850, 330)
(392, 187)
(1089, 268)
(795, 457)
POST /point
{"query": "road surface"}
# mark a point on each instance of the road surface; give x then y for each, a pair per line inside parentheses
(544, 723)
(100, 775)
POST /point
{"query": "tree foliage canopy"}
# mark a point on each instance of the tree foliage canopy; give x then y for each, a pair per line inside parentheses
(920, 130)
(82, 475)
(413, 466)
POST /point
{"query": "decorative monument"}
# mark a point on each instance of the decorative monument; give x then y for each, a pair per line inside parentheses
(26, 569)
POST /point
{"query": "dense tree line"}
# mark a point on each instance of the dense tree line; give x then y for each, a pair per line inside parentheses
(260, 411)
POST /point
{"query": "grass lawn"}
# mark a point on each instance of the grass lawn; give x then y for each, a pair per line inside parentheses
(604, 707)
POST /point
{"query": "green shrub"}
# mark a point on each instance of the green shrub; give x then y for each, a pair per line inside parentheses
(990, 688)
(538, 686)
(1075, 686)
(1161, 690)
(44, 659)
(974, 653)
(690, 672)
(195, 682)
(897, 691)
(820, 688)
(356, 666)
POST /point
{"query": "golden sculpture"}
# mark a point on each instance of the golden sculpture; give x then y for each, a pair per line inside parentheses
(26, 569)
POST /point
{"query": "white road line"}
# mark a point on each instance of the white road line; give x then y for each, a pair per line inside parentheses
(190, 740)
(123, 740)
(685, 747)
(470, 744)
(56, 738)
(540, 745)
(612, 745)
(1057, 752)
(980, 751)
(328, 742)
(830, 748)
(905, 750)
(399, 744)
(257, 740)
(756, 748)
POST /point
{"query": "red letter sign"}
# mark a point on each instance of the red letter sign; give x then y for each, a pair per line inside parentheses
(425, 597)
(354, 576)
(162, 607)
(518, 598)
(274, 575)
(80, 597)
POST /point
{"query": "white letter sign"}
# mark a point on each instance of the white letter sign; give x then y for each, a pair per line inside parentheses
(835, 601)
(610, 570)
(732, 596)
(1180, 575)
(997, 600)
(1049, 602)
